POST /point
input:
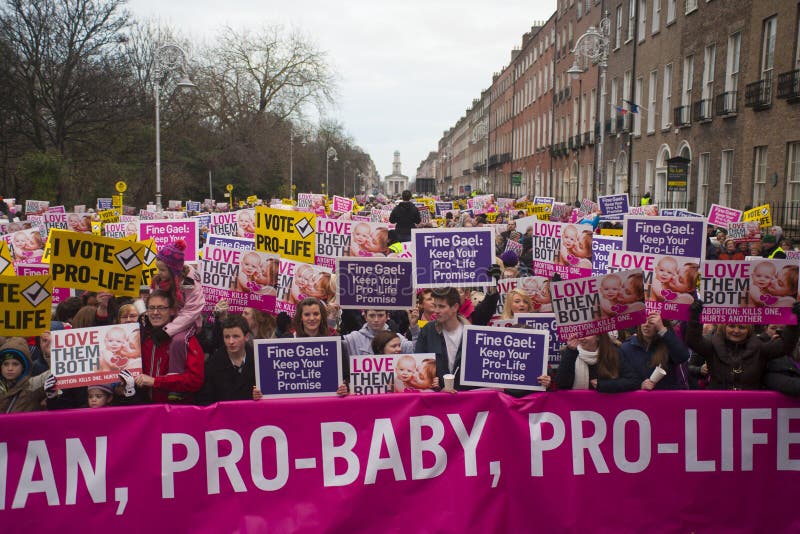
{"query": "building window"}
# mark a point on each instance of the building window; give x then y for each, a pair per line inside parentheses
(726, 177)
(642, 19)
(631, 19)
(709, 61)
(759, 175)
(635, 179)
(672, 8)
(656, 16)
(649, 175)
(703, 166)
(651, 101)
(768, 48)
(732, 63)
(614, 105)
(688, 78)
(691, 5)
(793, 172)
(637, 100)
(618, 33)
(666, 97)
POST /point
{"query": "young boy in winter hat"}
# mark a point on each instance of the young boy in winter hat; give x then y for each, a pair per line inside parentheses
(19, 391)
(179, 279)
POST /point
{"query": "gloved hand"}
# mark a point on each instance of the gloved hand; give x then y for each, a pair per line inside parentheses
(696, 308)
(221, 308)
(50, 387)
(159, 335)
(494, 271)
(126, 377)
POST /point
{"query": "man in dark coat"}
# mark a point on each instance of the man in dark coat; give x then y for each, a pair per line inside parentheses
(405, 216)
(230, 372)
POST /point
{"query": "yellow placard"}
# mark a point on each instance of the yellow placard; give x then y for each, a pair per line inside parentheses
(762, 214)
(6, 261)
(542, 211)
(97, 228)
(121, 186)
(25, 305)
(108, 216)
(491, 216)
(116, 201)
(96, 263)
(290, 234)
(252, 199)
(149, 268)
(611, 231)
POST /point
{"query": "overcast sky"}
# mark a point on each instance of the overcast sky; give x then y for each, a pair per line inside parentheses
(408, 69)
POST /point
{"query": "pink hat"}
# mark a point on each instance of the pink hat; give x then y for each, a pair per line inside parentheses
(173, 256)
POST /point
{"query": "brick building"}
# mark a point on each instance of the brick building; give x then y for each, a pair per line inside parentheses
(716, 82)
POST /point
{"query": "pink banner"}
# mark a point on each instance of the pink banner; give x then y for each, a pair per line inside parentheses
(480, 461)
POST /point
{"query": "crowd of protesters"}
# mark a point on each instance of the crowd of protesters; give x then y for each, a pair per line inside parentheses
(191, 359)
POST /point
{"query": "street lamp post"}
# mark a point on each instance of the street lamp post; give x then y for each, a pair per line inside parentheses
(344, 178)
(331, 153)
(291, 163)
(175, 57)
(593, 47)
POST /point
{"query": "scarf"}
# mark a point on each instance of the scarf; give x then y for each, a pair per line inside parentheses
(582, 363)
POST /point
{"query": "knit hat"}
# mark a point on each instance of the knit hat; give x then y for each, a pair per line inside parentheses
(173, 256)
(16, 348)
(769, 238)
(509, 258)
(106, 388)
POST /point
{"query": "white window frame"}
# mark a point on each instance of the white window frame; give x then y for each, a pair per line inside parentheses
(760, 157)
(709, 64)
(703, 168)
(672, 11)
(691, 6)
(618, 29)
(649, 176)
(793, 172)
(631, 19)
(614, 105)
(637, 99)
(642, 20)
(656, 25)
(726, 177)
(652, 101)
(688, 79)
(768, 48)
(666, 97)
(732, 62)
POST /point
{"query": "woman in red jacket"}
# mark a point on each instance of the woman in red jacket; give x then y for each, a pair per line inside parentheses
(161, 386)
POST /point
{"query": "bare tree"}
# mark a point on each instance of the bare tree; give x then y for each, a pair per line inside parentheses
(64, 67)
(271, 71)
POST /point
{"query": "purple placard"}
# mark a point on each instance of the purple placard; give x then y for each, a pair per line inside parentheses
(105, 203)
(240, 243)
(749, 292)
(169, 231)
(685, 236)
(613, 204)
(562, 248)
(544, 321)
(456, 257)
(590, 306)
(442, 208)
(304, 367)
(504, 357)
(602, 247)
(375, 283)
(722, 216)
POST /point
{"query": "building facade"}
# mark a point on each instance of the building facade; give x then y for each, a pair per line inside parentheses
(715, 82)
(397, 182)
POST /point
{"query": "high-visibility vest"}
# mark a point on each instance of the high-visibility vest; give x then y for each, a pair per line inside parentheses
(777, 249)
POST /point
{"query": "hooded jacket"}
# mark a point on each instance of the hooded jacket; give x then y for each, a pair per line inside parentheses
(405, 216)
(25, 394)
(360, 341)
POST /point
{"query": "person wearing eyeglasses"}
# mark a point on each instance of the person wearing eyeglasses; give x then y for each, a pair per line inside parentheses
(155, 381)
(443, 335)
